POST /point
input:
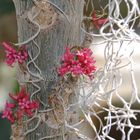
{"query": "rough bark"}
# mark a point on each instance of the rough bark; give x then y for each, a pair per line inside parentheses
(51, 40)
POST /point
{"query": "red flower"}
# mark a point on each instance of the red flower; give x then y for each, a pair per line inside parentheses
(24, 103)
(98, 22)
(78, 63)
(7, 113)
(68, 56)
(22, 106)
(87, 61)
(13, 56)
(19, 95)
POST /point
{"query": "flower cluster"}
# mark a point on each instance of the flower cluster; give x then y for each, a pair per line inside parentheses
(7, 113)
(77, 63)
(13, 56)
(98, 22)
(22, 106)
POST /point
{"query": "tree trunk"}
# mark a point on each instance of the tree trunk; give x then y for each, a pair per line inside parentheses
(55, 31)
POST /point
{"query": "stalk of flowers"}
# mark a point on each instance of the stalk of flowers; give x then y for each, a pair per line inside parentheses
(80, 62)
(98, 22)
(13, 56)
(22, 106)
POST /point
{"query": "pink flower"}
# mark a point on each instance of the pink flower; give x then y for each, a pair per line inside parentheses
(98, 22)
(68, 61)
(76, 70)
(19, 95)
(68, 56)
(87, 61)
(77, 63)
(7, 113)
(24, 103)
(22, 106)
(13, 56)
